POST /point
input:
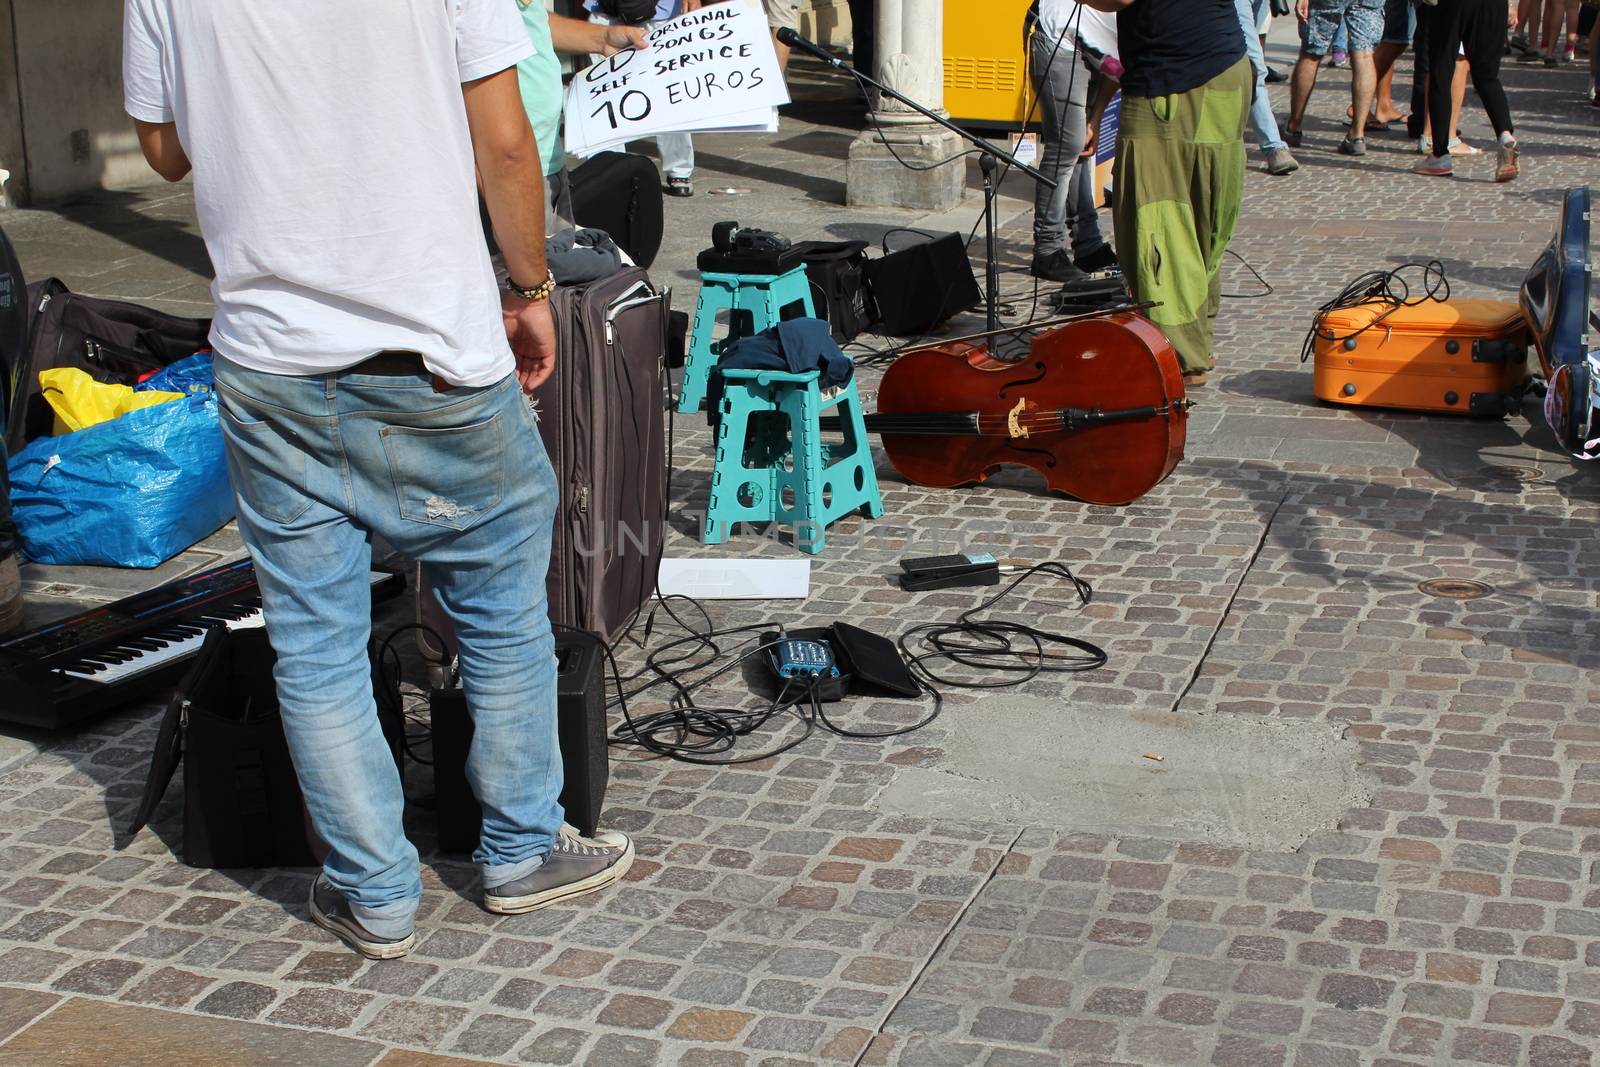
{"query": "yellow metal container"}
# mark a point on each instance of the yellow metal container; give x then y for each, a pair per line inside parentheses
(986, 63)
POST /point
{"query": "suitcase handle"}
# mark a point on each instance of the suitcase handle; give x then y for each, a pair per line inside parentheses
(626, 301)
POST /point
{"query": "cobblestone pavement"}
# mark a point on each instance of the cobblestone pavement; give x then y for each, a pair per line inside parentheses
(779, 915)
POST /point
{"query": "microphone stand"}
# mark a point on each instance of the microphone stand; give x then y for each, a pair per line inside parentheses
(989, 155)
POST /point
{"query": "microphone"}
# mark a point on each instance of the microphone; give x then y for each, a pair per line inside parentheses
(794, 40)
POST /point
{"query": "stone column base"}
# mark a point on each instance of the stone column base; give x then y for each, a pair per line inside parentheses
(874, 178)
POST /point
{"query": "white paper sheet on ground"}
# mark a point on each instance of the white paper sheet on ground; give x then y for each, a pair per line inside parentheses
(701, 68)
(736, 579)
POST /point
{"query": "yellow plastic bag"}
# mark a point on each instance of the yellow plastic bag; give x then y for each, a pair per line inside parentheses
(80, 401)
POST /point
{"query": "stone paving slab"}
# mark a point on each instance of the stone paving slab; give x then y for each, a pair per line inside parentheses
(777, 917)
(90, 1033)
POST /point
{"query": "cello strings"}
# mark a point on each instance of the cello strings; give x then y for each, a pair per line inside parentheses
(930, 422)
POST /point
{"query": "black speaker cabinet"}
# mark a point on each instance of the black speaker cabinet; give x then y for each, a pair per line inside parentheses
(918, 287)
(581, 725)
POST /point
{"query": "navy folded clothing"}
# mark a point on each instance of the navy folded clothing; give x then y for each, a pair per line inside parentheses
(795, 346)
(577, 256)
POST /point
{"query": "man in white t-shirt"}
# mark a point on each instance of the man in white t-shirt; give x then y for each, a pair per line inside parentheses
(372, 383)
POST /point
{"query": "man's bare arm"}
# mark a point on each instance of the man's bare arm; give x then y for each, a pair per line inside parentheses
(583, 38)
(513, 188)
(159, 141)
(508, 167)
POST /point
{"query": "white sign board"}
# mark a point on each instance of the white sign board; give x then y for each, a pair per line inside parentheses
(711, 70)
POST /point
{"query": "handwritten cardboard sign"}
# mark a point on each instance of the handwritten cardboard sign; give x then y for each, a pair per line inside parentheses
(708, 70)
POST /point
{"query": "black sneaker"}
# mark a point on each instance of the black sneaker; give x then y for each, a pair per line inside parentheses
(1056, 266)
(575, 865)
(331, 911)
(1102, 258)
(1276, 76)
(1293, 138)
(680, 187)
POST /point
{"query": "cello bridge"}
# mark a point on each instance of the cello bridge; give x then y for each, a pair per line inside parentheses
(1014, 425)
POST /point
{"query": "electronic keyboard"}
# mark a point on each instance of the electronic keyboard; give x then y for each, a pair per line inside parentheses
(55, 675)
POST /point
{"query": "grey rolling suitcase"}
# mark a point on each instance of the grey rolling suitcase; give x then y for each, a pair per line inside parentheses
(602, 414)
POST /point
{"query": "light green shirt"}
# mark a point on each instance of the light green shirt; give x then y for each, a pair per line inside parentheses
(539, 78)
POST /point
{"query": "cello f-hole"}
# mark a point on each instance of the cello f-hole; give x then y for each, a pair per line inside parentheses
(1020, 382)
(1046, 457)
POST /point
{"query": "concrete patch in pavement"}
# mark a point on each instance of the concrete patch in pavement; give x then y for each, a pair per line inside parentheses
(1253, 782)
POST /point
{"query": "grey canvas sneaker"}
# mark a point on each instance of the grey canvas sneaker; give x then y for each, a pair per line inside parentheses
(331, 911)
(1280, 162)
(575, 865)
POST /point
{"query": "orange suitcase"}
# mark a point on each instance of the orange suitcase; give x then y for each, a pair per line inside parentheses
(1467, 357)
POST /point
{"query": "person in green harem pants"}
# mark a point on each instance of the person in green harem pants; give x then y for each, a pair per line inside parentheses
(1179, 177)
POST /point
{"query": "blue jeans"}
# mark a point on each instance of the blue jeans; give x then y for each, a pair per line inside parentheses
(459, 481)
(1261, 117)
(1061, 82)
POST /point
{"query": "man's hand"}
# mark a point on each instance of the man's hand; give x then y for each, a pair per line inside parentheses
(1302, 9)
(532, 333)
(620, 38)
(1091, 140)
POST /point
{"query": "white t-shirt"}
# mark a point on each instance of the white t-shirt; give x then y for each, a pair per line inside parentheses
(333, 172)
(1097, 29)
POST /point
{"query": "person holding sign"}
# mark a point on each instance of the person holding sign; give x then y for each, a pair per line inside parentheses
(539, 78)
(677, 149)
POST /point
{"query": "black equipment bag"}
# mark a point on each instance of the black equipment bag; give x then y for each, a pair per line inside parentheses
(620, 193)
(602, 414)
(633, 12)
(920, 286)
(242, 805)
(13, 321)
(114, 341)
(837, 271)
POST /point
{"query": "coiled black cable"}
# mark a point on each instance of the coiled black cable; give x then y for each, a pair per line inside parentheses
(1017, 651)
(1386, 287)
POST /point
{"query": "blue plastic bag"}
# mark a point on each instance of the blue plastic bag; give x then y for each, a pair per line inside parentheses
(132, 492)
(189, 375)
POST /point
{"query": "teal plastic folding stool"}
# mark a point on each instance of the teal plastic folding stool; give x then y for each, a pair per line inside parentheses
(773, 466)
(754, 302)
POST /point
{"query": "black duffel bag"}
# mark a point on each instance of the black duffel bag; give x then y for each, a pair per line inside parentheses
(116, 342)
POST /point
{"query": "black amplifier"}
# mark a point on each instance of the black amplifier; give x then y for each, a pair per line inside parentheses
(581, 724)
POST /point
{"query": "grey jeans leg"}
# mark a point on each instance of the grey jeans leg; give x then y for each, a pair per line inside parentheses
(1062, 85)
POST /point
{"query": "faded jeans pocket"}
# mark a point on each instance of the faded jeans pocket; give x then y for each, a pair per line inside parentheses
(266, 461)
(450, 476)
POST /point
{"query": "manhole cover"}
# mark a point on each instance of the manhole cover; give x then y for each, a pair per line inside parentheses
(1456, 588)
(1512, 472)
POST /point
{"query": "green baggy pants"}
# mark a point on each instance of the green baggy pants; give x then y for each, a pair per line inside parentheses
(1179, 178)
